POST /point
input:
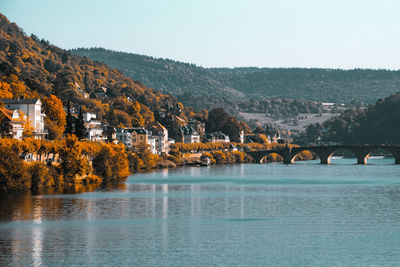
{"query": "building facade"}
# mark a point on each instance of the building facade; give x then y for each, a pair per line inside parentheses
(94, 128)
(190, 135)
(131, 137)
(160, 135)
(215, 137)
(32, 108)
(11, 123)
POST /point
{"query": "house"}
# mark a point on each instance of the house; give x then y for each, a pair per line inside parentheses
(198, 126)
(152, 144)
(11, 123)
(99, 93)
(139, 136)
(241, 136)
(215, 137)
(110, 133)
(190, 135)
(123, 136)
(94, 128)
(133, 136)
(32, 108)
(160, 134)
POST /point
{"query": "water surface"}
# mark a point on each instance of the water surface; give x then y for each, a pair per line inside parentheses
(237, 215)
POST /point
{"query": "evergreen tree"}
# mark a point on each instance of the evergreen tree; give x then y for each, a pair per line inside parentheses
(68, 127)
(80, 128)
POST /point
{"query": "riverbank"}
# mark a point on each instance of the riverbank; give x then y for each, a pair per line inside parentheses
(35, 165)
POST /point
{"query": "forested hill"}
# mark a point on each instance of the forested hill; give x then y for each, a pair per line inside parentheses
(30, 67)
(378, 124)
(327, 85)
(167, 75)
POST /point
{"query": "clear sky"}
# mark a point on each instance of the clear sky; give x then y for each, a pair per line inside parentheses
(221, 33)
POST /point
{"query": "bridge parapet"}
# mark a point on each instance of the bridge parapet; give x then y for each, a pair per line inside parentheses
(325, 152)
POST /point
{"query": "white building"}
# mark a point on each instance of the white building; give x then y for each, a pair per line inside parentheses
(215, 137)
(241, 136)
(13, 121)
(32, 108)
(160, 134)
(190, 135)
(94, 128)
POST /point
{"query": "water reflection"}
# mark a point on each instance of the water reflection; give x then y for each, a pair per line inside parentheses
(37, 246)
(242, 215)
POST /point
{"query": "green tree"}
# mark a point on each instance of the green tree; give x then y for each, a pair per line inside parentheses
(80, 129)
(69, 121)
(216, 118)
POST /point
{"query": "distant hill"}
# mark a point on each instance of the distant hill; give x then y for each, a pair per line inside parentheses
(177, 78)
(378, 124)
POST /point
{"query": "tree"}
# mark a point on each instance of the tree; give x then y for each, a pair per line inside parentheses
(13, 172)
(72, 161)
(55, 116)
(69, 120)
(112, 162)
(232, 128)
(137, 118)
(80, 129)
(65, 57)
(149, 159)
(5, 90)
(147, 115)
(216, 118)
(28, 128)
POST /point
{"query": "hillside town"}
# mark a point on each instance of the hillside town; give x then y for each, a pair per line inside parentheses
(19, 116)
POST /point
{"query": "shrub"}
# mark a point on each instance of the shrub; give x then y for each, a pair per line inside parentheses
(219, 157)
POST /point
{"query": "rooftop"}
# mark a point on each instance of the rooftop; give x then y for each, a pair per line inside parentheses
(19, 101)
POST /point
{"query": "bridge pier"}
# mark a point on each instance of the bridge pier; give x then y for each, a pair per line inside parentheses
(362, 160)
(324, 155)
(362, 154)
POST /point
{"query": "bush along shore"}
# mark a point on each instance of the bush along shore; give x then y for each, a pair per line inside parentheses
(32, 164)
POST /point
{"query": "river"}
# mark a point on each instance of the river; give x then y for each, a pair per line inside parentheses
(305, 214)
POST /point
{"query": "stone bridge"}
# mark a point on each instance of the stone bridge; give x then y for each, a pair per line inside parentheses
(324, 153)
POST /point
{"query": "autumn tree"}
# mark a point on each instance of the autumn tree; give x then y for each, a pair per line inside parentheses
(13, 171)
(28, 128)
(72, 161)
(55, 119)
(5, 90)
(147, 115)
(149, 159)
(111, 162)
(137, 118)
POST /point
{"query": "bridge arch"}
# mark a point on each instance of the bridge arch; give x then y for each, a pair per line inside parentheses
(299, 153)
(280, 157)
(393, 152)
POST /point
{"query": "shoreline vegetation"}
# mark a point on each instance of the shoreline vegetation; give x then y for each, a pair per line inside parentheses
(34, 165)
